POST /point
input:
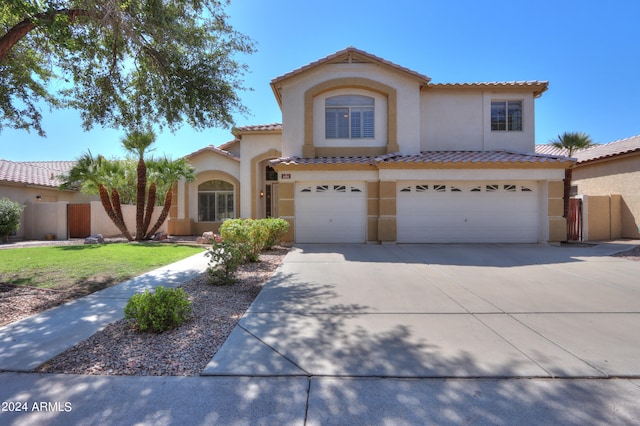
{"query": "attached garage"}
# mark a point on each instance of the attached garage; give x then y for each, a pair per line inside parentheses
(330, 212)
(467, 212)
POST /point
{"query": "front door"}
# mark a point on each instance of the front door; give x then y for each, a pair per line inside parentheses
(271, 200)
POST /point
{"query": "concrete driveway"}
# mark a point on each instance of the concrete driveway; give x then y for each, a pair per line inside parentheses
(442, 311)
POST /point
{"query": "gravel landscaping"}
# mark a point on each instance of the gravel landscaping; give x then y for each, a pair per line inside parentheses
(121, 350)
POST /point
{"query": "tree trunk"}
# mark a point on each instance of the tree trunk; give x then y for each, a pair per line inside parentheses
(151, 203)
(117, 207)
(163, 215)
(108, 208)
(140, 199)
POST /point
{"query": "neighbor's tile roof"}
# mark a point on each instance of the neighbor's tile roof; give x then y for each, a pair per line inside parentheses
(434, 157)
(39, 173)
(549, 149)
(596, 152)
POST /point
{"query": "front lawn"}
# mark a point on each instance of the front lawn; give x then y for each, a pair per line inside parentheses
(83, 269)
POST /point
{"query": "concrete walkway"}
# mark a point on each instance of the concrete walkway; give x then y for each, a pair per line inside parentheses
(407, 334)
(26, 344)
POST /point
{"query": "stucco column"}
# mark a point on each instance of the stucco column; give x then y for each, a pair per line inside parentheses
(557, 223)
(387, 226)
(286, 207)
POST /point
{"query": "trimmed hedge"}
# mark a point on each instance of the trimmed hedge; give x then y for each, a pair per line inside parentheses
(163, 310)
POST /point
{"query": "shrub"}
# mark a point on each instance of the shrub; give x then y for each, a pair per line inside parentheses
(226, 258)
(163, 310)
(251, 236)
(10, 213)
(276, 229)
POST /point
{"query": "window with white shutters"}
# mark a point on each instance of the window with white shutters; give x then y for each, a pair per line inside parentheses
(349, 117)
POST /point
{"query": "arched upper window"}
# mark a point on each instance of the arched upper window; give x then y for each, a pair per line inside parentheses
(349, 117)
(216, 201)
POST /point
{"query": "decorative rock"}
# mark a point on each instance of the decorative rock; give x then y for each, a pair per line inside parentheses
(160, 236)
(207, 235)
(94, 239)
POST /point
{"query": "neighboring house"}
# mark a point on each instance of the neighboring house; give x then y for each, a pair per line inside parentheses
(606, 177)
(369, 151)
(51, 213)
(35, 185)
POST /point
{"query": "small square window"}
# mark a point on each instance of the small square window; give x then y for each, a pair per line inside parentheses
(506, 115)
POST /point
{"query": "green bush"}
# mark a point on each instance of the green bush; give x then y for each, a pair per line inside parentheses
(250, 235)
(163, 310)
(226, 258)
(10, 213)
(276, 229)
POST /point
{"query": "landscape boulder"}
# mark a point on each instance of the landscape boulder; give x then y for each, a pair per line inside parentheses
(94, 239)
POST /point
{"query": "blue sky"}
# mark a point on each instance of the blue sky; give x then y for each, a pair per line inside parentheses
(588, 51)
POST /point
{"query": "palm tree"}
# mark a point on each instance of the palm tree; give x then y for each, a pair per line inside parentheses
(92, 174)
(572, 142)
(137, 142)
(166, 173)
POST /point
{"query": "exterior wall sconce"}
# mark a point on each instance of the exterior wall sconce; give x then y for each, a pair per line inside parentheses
(39, 197)
(261, 194)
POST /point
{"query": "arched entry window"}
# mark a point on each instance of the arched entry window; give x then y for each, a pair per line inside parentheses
(215, 201)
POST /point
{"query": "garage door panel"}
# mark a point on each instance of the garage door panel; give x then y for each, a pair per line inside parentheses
(334, 213)
(443, 212)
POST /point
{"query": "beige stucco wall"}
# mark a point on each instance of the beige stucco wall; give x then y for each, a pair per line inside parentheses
(42, 218)
(407, 92)
(27, 195)
(461, 120)
(208, 165)
(102, 224)
(255, 150)
(601, 217)
(619, 176)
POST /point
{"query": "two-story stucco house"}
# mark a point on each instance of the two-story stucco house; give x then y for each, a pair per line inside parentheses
(369, 151)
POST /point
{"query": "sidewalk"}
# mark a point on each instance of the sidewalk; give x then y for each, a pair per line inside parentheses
(26, 344)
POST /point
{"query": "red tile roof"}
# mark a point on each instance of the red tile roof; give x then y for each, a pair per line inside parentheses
(38, 173)
(597, 151)
(351, 51)
(213, 149)
(549, 149)
(273, 127)
(538, 86)
(434, 157)
(324, 160)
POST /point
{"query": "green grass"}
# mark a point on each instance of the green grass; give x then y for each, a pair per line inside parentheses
(86, 268)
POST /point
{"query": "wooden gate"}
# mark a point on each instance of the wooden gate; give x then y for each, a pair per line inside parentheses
(79, 220)
(574, 220)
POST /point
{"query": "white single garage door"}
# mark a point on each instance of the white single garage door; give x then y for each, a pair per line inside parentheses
(459, 212)
(330, 213)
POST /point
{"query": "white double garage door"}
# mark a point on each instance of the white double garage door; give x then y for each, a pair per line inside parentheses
(426, 212)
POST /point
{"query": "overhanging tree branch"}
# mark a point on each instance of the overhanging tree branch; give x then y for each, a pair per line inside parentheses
(21, 29)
